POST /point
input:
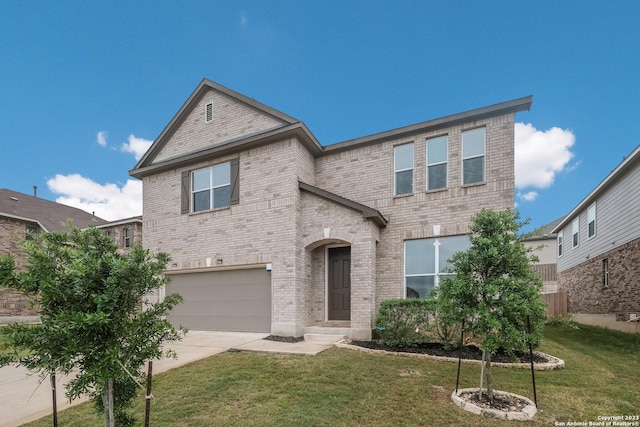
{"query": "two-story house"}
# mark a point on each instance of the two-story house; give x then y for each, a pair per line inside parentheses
(271, 231)
(599, 250)
(21, 216)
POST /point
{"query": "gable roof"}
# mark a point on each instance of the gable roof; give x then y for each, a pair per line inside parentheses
(51, 216)
(191, 102)
(292, 127)
(367, 212)
(545, 232)
(629, 162)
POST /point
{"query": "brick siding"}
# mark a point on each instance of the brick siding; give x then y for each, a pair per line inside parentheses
(12, 234)
(585, 286)
(276, 223)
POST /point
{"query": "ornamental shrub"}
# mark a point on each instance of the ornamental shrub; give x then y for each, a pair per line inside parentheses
(405, 322)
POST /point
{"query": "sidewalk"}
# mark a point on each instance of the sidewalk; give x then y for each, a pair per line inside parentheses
(24, 399)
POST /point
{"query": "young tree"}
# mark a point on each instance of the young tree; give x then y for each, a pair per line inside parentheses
(494, 288)
(89, 296)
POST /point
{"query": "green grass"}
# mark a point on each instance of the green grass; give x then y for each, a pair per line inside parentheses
(348, 388)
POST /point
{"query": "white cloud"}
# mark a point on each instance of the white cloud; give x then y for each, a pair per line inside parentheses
(137, 146)
(101, 137)
(243, 19)
(528, 196)
(108, 201)
(541, 155)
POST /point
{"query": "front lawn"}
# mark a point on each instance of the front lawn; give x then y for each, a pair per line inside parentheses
(348, 388)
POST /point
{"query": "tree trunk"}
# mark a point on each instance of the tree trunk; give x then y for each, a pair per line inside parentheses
(489, 377)
(107, 403)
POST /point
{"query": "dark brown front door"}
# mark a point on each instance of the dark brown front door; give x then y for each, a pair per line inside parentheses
(340, 283)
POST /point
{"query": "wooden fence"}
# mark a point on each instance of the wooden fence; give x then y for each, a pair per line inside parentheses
(556, 303)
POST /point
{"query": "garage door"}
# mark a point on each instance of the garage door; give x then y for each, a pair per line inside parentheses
(236, 300)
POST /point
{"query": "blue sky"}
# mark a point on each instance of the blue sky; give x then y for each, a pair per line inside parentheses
(86, 85)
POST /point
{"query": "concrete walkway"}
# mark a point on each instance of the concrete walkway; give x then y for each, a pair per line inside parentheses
(23, 398)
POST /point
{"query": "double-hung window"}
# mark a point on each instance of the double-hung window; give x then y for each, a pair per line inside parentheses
(560, 243)
(575, 232)
(403, 169)
(425, 261)
(211, 187)
(591, 221)
(473, 156)
(437, 163)
(126, 237)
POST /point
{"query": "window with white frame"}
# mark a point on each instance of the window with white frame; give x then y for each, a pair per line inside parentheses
(211, 187)
(126, 237)
(560, 243)
(575, 232)
(437, 163)
(605, 273)
(591, 221)
(403, 169)
(473, 156)
(426, 259)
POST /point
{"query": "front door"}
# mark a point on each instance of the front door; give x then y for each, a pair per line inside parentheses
(339, 283)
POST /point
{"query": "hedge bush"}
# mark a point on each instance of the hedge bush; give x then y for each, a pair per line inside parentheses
(405, 322)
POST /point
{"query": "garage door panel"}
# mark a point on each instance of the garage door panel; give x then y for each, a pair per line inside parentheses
(238, 300)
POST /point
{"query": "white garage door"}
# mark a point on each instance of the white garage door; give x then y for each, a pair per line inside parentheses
(235, 300)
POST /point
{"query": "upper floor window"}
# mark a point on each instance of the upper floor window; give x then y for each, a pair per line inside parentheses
(426, 259)
(591, 221)
(403, 168)
(211, 187)
(127, 237)
(560, 243)
(437, 163)
(473, 156)
(575, 232)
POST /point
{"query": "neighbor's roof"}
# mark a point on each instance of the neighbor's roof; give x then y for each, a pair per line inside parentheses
(545, 232)
(627, 163)
(291, 127)
(51, 216)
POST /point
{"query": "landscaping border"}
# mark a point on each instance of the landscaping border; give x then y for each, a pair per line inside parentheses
(555, 363)
(526, 413)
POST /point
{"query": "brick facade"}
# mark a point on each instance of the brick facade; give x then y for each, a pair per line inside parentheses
(12, 235)
(277, 223)
(587, 293)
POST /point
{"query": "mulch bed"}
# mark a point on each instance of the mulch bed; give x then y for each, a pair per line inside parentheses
(468, 352)
(501, 402)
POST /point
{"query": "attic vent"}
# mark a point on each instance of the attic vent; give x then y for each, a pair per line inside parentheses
(209, 113)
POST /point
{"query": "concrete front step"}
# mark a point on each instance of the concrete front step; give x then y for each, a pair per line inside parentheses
(325, 338)
(326, 330)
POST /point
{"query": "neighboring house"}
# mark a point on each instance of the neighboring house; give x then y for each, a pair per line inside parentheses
(599, 250)
(544, 243)
(20, 216)
(124, 232)
(271, 231)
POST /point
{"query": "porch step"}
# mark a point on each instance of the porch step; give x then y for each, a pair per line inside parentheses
(328, 338)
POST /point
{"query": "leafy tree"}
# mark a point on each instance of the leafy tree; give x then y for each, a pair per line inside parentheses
(494, 289)
(89, 296)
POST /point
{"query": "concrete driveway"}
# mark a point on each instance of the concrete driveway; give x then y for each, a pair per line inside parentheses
(24, 398)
